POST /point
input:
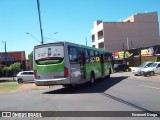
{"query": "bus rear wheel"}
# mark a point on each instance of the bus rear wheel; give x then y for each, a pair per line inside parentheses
(109, 75)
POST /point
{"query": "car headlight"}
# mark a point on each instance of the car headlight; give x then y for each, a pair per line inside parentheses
(139, 70)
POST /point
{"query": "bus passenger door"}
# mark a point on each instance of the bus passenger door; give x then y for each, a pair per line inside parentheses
(75, 68)
(82, 62)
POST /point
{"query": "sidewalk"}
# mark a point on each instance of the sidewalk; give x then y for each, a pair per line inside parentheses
(156, 77)
(7, 79)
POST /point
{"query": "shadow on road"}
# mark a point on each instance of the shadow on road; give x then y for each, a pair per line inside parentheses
(100, 86)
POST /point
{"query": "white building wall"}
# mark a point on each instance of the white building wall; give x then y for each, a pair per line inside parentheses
(141, 31)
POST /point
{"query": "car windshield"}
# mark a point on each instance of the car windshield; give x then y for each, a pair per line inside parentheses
(145, 64)
(153, 65)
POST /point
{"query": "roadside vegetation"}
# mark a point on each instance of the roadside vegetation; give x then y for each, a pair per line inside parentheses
(8, 87)
(10, 71)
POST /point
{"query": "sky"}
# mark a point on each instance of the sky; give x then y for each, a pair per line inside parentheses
(62, 20)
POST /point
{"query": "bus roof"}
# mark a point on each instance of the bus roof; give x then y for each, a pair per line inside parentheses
(74, 44)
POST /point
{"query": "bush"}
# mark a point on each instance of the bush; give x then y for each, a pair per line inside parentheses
(6, 70)
(15, 68)
(12, 70)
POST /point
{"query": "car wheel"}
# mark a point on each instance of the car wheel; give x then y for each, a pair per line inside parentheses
(152, 73)
(20, 81)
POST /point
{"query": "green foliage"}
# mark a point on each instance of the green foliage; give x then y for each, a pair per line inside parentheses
(30, 60)
(6, 69)
(30, 57)
(12, 70)
(16, 67)
(1, 70)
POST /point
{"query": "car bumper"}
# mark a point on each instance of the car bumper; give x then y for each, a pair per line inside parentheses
(137, 73)
(147, 73)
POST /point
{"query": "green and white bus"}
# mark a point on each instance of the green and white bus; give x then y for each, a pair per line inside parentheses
(65, 63)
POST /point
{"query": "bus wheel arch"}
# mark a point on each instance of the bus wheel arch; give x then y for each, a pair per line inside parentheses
(109, 73)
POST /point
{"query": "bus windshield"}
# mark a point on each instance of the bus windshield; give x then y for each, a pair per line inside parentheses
(49, 55)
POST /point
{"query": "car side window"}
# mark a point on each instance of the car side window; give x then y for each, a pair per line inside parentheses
(25, 73)
(158, 65)
(30, 73)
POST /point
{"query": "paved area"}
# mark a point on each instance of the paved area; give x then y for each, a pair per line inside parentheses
(122, 92)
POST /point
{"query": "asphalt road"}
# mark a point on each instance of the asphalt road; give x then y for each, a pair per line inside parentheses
(122, 92)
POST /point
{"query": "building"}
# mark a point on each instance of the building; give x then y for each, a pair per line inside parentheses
(138, 31)
(134, 57)
(8, 58)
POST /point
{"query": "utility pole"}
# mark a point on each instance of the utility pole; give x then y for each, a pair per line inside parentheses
(39, 14)
(86, 41)
(127, 44)
(5, 52)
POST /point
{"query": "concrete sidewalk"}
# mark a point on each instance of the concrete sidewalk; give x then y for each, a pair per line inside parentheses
(156, 77)
(7, 79)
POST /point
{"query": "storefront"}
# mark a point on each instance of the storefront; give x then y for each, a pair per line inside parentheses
(8, 58)
(135, 57)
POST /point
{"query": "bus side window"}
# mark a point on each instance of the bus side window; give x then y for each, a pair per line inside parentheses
(97, 56)
(102, 57)
(73, 56)
(91, 56)
(81, 56)
(86, 56)
(108, 57)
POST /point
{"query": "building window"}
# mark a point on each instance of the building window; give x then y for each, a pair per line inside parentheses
(101, 45)
(93, 38)
(100, 34)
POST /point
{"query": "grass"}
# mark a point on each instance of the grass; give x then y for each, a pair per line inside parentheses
(9, 87)
(1, 81)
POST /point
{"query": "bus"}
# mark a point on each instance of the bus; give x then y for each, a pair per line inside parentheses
(68, 64)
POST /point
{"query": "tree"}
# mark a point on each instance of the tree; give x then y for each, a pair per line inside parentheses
(30, 60)
(15, 68)
(6, 70)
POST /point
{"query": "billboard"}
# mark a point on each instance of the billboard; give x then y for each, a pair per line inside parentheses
(12, 56)
(146, 52)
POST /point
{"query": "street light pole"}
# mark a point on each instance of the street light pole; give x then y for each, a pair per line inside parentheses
(86, 41)
(5, 48)
(38, 5)
(32, 36)
(127, 44)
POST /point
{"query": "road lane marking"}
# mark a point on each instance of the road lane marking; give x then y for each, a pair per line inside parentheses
(150, 87)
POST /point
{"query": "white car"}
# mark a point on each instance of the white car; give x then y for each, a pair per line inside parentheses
(152, 69)
(138, 70)
(25, 76)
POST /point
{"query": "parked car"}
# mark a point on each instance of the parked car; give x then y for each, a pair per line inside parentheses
(121, 67)
(152, 69)
(138, 70)
(25, 76)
